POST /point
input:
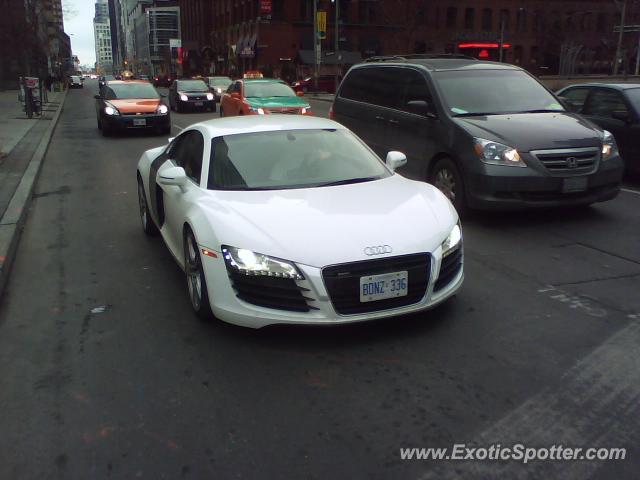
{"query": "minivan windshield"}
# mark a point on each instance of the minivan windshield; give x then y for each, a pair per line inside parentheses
(493, 92)
(291, 159)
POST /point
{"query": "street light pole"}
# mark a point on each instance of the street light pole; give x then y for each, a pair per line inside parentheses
(501, 54)
(337, 48)
(316, 50)
(617, 60)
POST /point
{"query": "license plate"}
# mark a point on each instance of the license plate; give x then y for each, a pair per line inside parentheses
(199, 104)
(380, 287)
(575, 184)
(139, 122)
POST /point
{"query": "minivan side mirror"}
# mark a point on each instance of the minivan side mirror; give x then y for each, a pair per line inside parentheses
(420, 107)
(395, 160)
(621, 115)
(175, 176)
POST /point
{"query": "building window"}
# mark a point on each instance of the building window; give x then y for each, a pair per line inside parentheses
(521, 20)
(469, 18)
(517, 55)
(487, 19)
(602, 22)
(569, 21)
(536, 24)
(504, 19)
(367, 11)
(452, 14)
(585, 25)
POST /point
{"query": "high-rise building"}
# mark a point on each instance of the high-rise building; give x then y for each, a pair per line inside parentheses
(102, 36)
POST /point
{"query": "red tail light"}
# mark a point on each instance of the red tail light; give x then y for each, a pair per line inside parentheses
(331, 112)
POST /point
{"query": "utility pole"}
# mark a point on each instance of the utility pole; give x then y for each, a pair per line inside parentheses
(337, 48)
(617, 60)
(316, 45)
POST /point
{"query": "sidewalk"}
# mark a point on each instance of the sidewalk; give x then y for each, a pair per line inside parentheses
(23, 144)
(14, 124)
(323, 97)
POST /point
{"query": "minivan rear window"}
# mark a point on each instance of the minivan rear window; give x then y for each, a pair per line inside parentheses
(377, 86)
(469, 92)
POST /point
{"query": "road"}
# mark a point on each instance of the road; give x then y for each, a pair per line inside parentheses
(106, 373)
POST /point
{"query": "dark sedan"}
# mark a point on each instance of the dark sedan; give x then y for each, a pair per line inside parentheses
(191, 95)
(614, 107)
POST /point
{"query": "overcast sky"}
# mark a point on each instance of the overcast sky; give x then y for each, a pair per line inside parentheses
(78, 24)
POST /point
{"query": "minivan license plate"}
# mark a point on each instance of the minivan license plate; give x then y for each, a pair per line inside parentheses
(380, 287)
(139, 122)
(575, 184)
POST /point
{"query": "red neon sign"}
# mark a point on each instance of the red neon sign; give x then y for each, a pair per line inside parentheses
(483, 45)
(483, 54)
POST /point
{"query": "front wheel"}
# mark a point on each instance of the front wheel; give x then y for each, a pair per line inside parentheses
(446, 177)
(196, 282)
(148, 226)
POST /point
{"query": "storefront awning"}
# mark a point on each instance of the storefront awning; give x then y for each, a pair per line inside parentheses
(308, 57)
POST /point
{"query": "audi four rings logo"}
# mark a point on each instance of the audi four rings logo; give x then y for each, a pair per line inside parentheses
(378, 250)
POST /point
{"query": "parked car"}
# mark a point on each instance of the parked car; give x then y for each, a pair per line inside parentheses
(131, 105)
(76, 81)
(191, 95)
(218, 85)
(262, 96)
(614, 107)
(143, 77)
(488, 135)
(326, 83)
(288, 219)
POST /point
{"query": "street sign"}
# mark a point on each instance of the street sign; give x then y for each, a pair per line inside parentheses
(322, 24)
(175, 43)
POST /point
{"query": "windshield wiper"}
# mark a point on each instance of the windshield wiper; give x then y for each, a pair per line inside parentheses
(346, 182)
(477, 114)
(540, 110)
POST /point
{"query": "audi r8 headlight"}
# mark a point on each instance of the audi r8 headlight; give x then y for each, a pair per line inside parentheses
(306, 109)
(495, 153)
(609, 146)
(111, 110)
(246, 262)
(452, 241)
(210, 96)
(184, 98)
(162, 110)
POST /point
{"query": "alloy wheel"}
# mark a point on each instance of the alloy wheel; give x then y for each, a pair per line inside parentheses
(446, 183)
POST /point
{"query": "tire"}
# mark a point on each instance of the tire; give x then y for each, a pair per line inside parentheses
(221, 112)
(106, 130)
(148, 226)
(196, 281)
(178, 109)
(446, 177)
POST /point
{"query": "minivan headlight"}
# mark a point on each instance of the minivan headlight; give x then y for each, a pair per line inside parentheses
(495, 153)
(452, 241)
(246, 262)
(609, 146)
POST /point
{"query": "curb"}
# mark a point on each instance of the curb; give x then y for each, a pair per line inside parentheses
(13, 219)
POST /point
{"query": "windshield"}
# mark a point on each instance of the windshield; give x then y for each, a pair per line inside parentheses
(291, 159)
(493, 92)
(130, 90)
(220, 81)
(267, 89)
(193, 86)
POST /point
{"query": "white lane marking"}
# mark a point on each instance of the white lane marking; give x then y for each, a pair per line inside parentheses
(594, 404)
(177, 126)
(630, 191)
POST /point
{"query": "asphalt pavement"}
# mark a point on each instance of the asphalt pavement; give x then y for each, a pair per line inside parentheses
(106, 373)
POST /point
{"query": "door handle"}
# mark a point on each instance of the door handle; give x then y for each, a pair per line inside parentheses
(394, 122)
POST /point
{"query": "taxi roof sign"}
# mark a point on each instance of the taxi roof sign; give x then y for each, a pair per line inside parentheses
(252, 74)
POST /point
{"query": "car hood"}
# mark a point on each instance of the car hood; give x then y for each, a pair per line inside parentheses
(329, 225)
(534, 131)
(148, 105)
(277, 102)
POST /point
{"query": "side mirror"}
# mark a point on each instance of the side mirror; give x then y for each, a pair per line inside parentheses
(395, 160)
(171, 139)
(175, 176)
(97, 97)
(621, 115)
(300, 94)
(420, 107)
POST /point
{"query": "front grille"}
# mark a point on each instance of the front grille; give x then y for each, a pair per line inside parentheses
(271, 292)
(569, 161)
(343, 282)
(449, 269)
(287, 111)
(197, 99)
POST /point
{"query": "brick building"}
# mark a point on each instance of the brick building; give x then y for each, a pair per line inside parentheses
(276, 36)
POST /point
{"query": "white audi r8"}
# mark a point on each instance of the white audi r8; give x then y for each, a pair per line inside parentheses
(288, 219)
